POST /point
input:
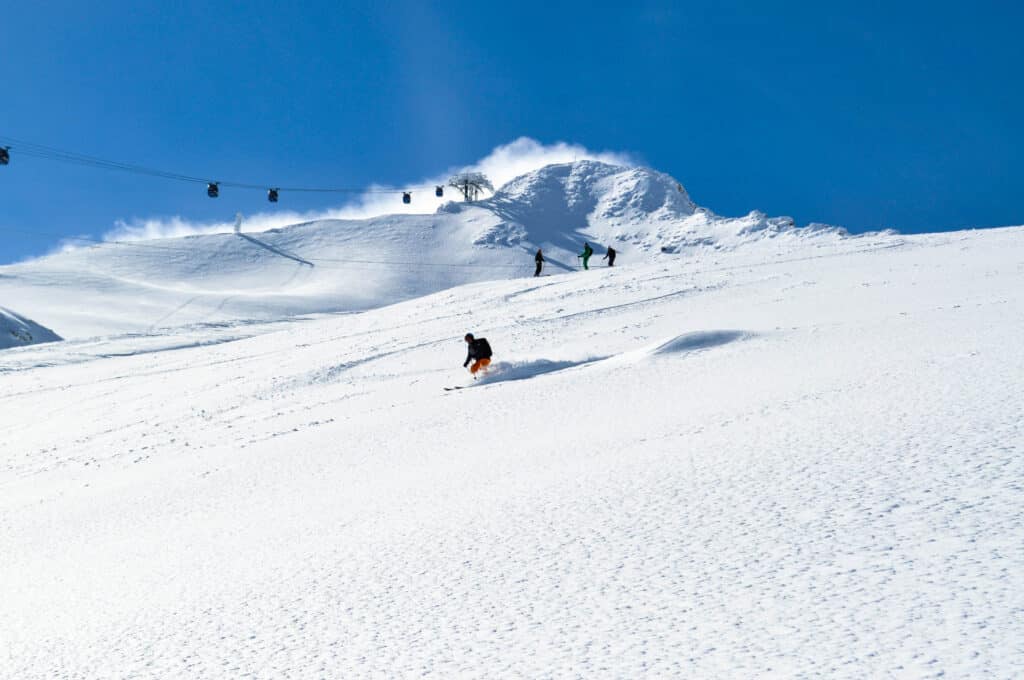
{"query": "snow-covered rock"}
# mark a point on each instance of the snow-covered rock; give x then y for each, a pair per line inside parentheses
(16, 331)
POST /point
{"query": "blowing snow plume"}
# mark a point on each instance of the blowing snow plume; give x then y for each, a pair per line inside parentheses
(501, 165)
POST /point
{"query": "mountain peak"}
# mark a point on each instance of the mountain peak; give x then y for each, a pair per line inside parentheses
(587, 193)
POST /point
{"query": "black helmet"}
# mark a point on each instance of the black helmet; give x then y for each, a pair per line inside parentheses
(469, 336)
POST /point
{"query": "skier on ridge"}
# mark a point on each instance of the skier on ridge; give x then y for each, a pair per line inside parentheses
(479, 353)
(539, 259)
(587, 252)
(610, 256)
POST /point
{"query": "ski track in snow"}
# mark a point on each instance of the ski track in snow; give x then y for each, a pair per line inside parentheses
(808, 467)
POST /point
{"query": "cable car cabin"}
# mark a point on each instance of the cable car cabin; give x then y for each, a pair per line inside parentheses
(406, 198)
(5, 156)
(272, 195)
(439, 192)
(212, 190)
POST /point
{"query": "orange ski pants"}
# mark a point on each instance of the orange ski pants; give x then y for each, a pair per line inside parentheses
(478, 364)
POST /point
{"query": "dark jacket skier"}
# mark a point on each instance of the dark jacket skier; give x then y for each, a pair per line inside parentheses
(587, 252)
(610, 255)
(539, 259)
(479, 353)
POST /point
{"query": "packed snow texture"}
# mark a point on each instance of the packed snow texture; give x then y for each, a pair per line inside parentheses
(17, 331)
(354, 265)
(796, 458)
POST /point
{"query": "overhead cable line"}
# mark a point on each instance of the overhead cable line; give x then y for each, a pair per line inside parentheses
(32, 150)
(50, 153)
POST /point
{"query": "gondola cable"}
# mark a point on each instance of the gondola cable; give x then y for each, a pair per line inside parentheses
(32, 150)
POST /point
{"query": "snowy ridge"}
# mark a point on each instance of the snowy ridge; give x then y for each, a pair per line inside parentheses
(350, 265)
(17, 331)
(634, 209)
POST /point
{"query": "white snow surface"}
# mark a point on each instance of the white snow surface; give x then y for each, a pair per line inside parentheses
(17, 331)
(790, 456)
(354, 265)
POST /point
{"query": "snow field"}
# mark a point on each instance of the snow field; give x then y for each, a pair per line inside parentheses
(733, 468)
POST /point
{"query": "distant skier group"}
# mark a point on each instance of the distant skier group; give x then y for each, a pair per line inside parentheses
(585, 256)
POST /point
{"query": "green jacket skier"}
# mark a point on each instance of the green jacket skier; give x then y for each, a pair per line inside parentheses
(587, 252)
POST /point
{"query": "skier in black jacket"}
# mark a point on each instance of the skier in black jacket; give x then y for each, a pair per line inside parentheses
(479, 353)
(539, 259)
(610, 256)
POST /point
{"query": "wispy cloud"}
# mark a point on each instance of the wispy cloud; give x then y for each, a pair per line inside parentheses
(501, 165)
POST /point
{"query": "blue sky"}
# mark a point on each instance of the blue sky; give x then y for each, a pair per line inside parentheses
(866, 114)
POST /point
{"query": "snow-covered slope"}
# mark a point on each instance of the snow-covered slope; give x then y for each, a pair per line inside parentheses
(17, 331)
(340, 266)
(752, 463)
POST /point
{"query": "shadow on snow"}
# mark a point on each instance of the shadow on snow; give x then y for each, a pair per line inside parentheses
(504, 371)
